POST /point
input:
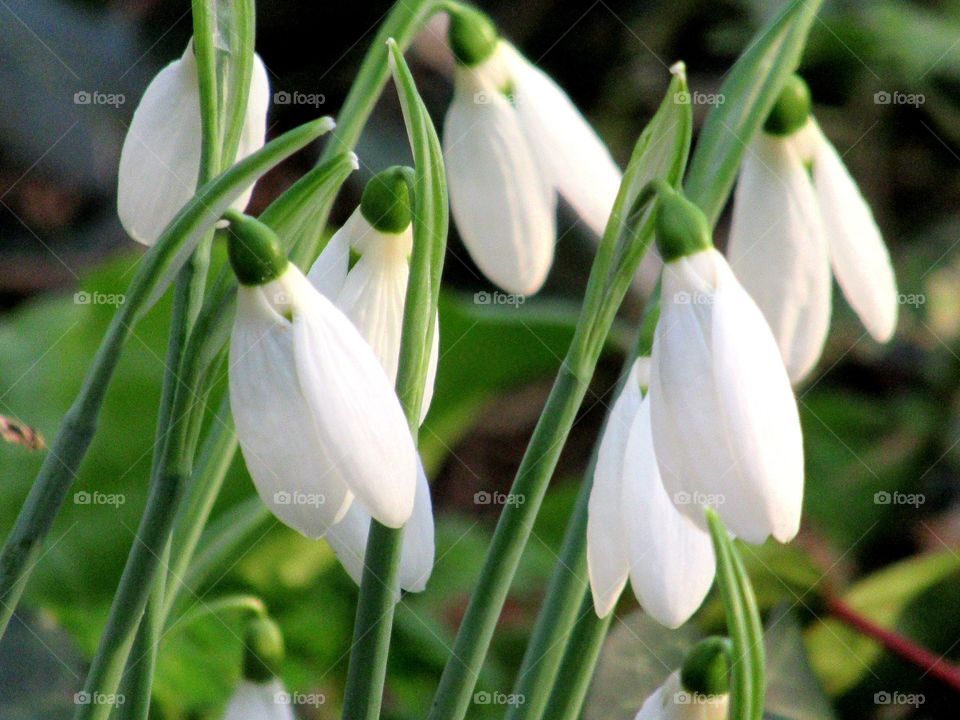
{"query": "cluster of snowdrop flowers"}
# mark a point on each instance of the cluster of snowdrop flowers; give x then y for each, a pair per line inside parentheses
(718, 428)
(512, 141)
(698, 691)
(797, 213)
(160, 158)
(319, 423)
(372, 293)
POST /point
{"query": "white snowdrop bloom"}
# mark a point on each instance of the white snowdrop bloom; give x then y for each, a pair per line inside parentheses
(160, 159)
(633, 528)
(671, 701)
(259, 701)
(318, 420)
(513, 140)
(797, 213)
(372, 294)
(724, 418)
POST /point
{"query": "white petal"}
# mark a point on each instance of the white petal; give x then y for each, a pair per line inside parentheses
(778, 250)
(373, 297)
(860, 258)
(329, 270)
(504, 208)
(759, 410)
(607, 562)
(349, 540)
(254, 132)
(571, 152)
(725, 423)
(160, 159)
(355, 410)
(671, 559)
(654, 707)
(259, 701)
(290, 467)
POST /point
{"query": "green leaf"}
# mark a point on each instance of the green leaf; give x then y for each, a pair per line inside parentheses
(430, 226)
(749, 93)
(842, 656)
(747, 686)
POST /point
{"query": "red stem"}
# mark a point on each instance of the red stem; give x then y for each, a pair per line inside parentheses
(899, 645)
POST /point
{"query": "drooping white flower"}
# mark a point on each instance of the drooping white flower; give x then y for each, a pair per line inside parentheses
(633, 528)
(259, 701)
(373, 294)
(797, 213)
(725, 424)
(671, 701)
(512, 141)
(160, 159)
(319, 423)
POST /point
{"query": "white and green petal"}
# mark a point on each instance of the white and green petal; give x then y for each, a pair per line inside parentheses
(356, 413)
(859, 256)
(259, 701)
(671, 701)
(725, 424)
(292, 470)
(318, 420)
(672, 563)
(504, 207)
(348, 538)
(778, 250)
(373, 292)
(608, 565)
(571, 153)
(160, 159)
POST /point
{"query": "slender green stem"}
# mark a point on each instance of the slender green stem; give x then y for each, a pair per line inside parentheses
(539, 461)
(558, 615)
(379, 586)
(576, 671)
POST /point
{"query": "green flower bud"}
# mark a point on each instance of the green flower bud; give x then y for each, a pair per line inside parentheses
(254, 250)
(473, 36)
(792, 108)
(386, 203)
(682, 228)
(706, 669)
(264, 652)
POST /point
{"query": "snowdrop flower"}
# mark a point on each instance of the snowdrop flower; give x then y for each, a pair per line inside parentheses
(797, 213)
(160, 159)
(700, 691)
(373, 294)
(319, 423)
(512, 141)
(633, 528)
(260, 695)
(725, 424)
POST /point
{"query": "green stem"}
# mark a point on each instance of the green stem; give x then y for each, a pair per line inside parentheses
(151, 538)
(379, 586)
(576, 671)
(558, 615)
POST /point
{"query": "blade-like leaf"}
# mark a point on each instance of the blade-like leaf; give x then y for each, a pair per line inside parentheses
(749, 94)
(430, 225)
(747, 683)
